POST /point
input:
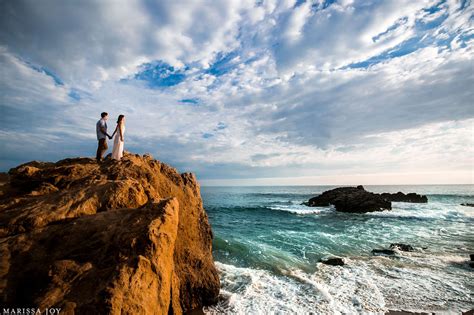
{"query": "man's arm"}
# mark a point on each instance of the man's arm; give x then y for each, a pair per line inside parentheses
(103, 130)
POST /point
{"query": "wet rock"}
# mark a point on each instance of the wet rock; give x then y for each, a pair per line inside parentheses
(402, 312)
(467, 204)
(472, 257)
(333, 261)
(401, 197)
(350, 199)
(387, 252)
(402, 247)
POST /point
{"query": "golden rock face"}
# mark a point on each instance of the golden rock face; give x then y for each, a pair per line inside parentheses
(118, 237)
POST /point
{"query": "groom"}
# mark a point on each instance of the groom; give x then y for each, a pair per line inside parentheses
(101, 129)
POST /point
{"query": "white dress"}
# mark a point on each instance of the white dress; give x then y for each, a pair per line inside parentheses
(117, 151)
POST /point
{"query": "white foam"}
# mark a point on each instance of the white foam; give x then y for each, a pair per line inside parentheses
(365, 285)
(432, 210)
(301, 209)
(251, 291)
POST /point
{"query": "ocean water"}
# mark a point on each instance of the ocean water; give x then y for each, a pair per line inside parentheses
(267, 248)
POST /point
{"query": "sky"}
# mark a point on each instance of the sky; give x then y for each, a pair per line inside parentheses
(246, 92)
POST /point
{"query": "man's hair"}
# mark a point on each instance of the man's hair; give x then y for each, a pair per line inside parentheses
(103, 114)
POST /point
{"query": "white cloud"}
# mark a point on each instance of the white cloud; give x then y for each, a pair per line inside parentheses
(286, 104)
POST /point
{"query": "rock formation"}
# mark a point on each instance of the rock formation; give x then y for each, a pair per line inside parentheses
(112, 238)
(333, 261)
(402, 247)
(401, 197)
(350, 199)
(357, 199)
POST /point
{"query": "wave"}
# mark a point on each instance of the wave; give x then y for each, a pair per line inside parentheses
(426, 211)
(364, 285)
(301, 209)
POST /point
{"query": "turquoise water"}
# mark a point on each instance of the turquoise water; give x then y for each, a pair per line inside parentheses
(267, 247)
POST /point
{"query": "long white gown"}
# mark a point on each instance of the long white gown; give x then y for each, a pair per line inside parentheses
(117, 151)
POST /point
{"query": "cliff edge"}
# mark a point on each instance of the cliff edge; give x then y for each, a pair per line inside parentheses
(112, 238)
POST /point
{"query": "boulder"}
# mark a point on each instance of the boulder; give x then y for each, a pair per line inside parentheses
(333, 261)
(471, 256)
(350, 199)
(387, 252)
(402, 247)
(467, 204)
(115, 237)
(401, 197)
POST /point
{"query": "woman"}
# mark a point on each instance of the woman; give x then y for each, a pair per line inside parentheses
(117, 151)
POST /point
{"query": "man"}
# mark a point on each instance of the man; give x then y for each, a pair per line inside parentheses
(101, 129)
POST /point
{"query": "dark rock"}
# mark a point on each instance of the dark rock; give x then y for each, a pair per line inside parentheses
(3, 178)
(403, 312)
(467, 204)
(383, 252)
(472, 257)
(401, 197)
(333, 261)
(350, 199)
(402, 247)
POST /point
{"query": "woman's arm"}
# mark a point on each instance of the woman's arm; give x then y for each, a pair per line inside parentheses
(121, 134)
(114, 132)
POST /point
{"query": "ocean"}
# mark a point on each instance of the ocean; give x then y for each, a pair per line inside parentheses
(267, 248)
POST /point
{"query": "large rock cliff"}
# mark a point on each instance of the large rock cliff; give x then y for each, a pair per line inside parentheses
(118, 238)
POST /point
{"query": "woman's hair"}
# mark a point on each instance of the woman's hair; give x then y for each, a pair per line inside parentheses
(120, 117)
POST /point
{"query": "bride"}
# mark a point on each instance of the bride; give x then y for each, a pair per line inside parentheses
(117, 151)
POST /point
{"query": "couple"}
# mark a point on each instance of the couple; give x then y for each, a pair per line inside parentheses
(101, 129)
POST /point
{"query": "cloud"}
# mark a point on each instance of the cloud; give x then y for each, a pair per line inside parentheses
(93, 41)
(243, 89)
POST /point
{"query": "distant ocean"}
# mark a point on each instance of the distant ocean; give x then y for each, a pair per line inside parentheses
(267, 247)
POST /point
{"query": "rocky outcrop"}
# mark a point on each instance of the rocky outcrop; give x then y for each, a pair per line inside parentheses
(350, 199)
(357, 199)
(401, 197)
(117, 237)
(467, 204)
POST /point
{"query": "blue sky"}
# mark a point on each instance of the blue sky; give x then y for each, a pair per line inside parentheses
(246, 92)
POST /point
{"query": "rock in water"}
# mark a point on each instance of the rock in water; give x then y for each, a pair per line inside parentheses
(117, 237)
(401, 197)
(467, 204)
(351, 199)
(333, 261)
(402, 247)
